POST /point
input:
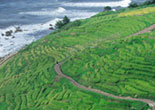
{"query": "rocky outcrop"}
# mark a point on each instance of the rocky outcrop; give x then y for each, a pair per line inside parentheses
(51, 27)
(3, 34)
(8, 33)
(18, 29)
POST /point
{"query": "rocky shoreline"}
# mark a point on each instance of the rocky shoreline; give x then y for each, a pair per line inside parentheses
(9, 33)
(9, 38)
(17, 30)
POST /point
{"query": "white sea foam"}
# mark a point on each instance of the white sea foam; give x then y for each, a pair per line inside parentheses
(9, 44)
(123, 3)
(61, 13)
(27, 35)
(55, 12)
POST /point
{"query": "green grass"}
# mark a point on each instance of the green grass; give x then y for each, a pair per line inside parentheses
(100, 58)
(121, 67)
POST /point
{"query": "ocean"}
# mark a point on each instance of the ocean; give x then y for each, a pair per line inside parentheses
(35, 16)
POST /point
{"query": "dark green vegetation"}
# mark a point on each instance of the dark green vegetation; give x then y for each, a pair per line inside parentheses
(152, 1)
(29, 82)
(107, 8)
(62, 23)
(148, 2)
(133, 5)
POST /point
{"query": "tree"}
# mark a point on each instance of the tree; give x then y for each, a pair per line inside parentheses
(107, 8)
(133, 5)
(66, 20)
(59, 24)
(146, 3)
(152, 1)
(149, 2)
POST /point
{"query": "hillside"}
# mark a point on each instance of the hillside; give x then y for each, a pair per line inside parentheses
(103, 54)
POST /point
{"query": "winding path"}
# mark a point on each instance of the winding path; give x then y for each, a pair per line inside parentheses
(57, 68)
(148, 29)
(151, 103)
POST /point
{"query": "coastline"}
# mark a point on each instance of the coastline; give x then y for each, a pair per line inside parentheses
(8, 56)
(32, 66)
(44, 15)
(48, 26)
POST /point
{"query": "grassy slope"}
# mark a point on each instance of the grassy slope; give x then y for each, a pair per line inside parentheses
(28, 80)
(122, 67)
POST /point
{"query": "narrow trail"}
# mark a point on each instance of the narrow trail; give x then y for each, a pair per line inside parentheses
(151, 103)
(57, 68)
(148, 29)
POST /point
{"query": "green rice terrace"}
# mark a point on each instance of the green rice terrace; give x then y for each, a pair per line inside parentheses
(103, 53)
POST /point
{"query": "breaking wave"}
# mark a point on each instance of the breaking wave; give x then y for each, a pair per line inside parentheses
(123, 3)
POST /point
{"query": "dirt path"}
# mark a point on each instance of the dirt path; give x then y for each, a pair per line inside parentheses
(59, 72)
(148, 29)
(151, 103)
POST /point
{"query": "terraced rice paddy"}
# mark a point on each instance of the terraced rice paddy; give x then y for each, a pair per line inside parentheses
(122, 67)
(100, 58)
(139, 12)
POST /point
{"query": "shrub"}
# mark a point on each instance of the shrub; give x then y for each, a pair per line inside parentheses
(152, 1)
(107, 8)
(149, 2)
(59, 24)
(146, 3)
(133, 5)
(66, 20)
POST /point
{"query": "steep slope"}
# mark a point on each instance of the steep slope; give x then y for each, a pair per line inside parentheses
(29, 82)
(121, 67)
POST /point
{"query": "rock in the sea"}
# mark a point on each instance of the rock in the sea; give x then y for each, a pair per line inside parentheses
(50, 24)
(51, 28)
(13, 37)
(2, 34)
(18, 29)
(8, 33)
